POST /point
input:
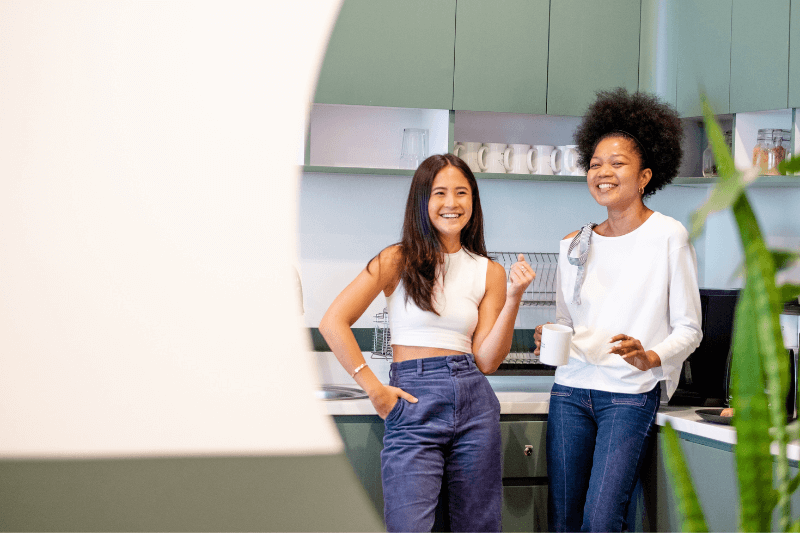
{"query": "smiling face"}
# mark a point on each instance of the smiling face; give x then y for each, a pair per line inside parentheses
(615, 175)
(450, 206)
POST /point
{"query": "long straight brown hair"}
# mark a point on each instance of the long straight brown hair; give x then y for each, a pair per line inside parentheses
(422, 257)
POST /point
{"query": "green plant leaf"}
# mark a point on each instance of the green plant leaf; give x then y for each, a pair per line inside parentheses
(760, 357)
(783, 258)
(794, 483)
(789, 166)
(789, 292)
(753, 459)
(689, 509)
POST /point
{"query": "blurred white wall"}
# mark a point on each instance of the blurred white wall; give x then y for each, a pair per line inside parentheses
(148, 215)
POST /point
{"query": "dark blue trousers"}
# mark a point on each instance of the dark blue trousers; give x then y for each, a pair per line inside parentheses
(596, 443)
(451, 437)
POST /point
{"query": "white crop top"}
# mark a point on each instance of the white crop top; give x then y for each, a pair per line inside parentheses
(456, 299)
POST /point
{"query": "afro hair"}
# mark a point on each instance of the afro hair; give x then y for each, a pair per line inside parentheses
(653, 126)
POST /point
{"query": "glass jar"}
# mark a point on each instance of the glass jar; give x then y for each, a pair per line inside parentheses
(763, 149)
(709, 163)
(776, 152)
(787, 143)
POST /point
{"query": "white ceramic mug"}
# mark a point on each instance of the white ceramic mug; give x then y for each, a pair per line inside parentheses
(490, 158)
(564, 160)
(554, 349)
(468, 151)
(517, 159)
(541, 159)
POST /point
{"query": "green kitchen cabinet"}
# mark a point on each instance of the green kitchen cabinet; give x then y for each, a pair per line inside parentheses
(703, 46)
(713, 468)
(794, 55)
(388, 53)
(524, 467)
(593, 46)
(759, 55)
(658, 65)
(501, 56)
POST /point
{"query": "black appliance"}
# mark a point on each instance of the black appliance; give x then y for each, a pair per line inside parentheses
(705, 374)
(704, 377)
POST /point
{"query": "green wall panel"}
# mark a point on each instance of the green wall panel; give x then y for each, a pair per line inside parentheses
(794, 55)
(501, 56)
(759, 55)
(389, 53)
(593, 46)
(703, 47)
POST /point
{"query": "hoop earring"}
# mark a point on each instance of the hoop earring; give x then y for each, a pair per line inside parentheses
(641, 191)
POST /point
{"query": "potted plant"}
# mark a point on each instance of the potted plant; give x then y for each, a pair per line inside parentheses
(760, 373)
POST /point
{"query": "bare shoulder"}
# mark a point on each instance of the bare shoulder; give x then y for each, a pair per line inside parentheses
(495, 274)
(495, 269)
(571, 235)
(386, 266)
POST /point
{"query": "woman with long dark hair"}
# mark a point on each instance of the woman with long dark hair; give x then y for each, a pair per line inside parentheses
(451, 318)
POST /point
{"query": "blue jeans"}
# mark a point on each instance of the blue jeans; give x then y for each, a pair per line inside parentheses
(451, 436)
(596, 442)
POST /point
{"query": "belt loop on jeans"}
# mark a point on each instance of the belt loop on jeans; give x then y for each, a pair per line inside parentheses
(419, 366)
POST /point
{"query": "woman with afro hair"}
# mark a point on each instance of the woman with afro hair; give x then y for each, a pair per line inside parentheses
(628, 289)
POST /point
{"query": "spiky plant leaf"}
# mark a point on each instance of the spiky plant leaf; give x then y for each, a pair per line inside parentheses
(789, 291)
(689, 509)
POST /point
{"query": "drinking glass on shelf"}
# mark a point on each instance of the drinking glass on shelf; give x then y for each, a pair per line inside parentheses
(415, 147)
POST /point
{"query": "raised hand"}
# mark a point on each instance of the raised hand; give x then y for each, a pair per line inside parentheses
(520, 277)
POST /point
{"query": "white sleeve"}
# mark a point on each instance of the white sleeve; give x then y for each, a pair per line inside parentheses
(684, 311)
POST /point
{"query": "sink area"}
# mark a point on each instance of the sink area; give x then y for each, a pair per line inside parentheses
(335, 392)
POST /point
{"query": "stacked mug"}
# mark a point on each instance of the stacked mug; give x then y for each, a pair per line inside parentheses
(500, 158)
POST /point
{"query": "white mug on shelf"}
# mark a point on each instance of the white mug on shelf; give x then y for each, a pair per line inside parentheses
(490, 158)
(564, 160)
(541, 159)
(517, 159)
(468, 151)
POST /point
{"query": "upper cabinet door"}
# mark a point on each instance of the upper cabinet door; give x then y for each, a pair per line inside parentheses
(501, 56)
(794, 55)
(759, 55)
(390, 53)
(704, 55)
(658, 66)
(594, 45)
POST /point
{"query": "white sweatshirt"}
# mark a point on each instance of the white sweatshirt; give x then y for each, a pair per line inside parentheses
(644, 285)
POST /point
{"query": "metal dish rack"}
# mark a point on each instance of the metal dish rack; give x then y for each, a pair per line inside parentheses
(382, 337)
(542, 290)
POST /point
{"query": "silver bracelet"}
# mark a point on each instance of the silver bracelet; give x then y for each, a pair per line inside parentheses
(357, 370)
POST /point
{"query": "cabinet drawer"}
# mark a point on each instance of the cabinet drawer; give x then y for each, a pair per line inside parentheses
(525, 508)
(515, 437)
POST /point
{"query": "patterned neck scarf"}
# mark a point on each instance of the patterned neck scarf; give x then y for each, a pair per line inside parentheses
(584, 238)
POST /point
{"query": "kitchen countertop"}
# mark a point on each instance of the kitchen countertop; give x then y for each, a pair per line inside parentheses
(534, 399)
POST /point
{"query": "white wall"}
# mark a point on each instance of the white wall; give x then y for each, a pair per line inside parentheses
(345, 220)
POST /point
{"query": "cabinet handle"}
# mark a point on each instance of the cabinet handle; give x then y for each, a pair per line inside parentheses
(528, 450)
